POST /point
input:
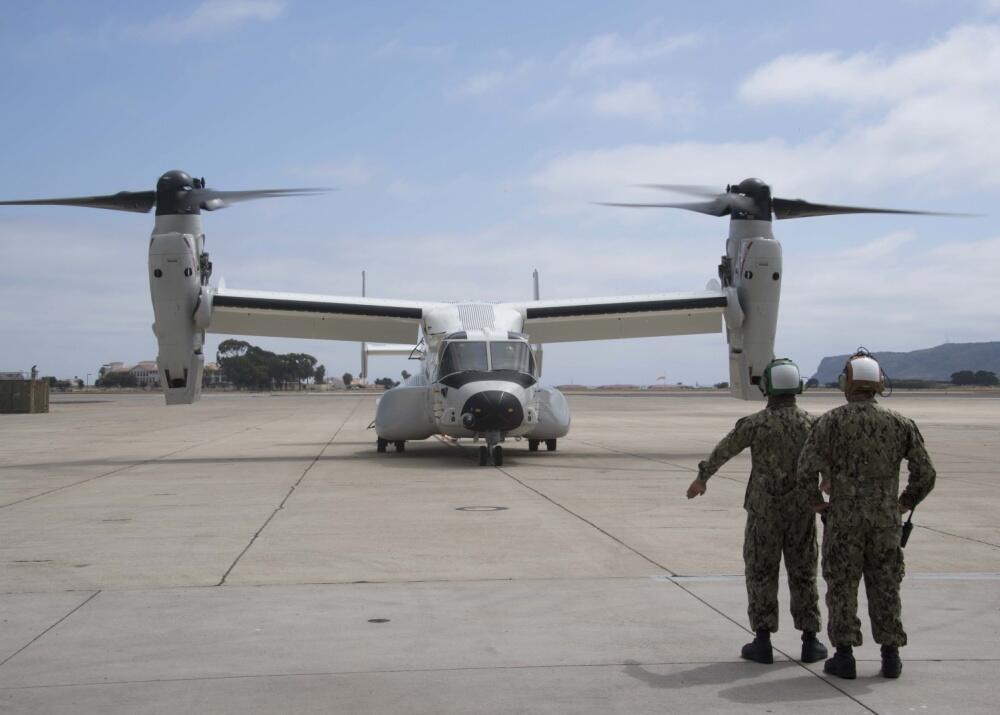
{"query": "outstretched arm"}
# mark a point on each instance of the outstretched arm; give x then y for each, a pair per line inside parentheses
(730, 445)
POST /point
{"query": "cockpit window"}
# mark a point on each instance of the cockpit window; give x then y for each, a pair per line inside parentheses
(511, 356)
(464, 355)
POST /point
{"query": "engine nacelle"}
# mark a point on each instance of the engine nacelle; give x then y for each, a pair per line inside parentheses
(181, 306)
(553, 414)
(403, 413)
(751, 271)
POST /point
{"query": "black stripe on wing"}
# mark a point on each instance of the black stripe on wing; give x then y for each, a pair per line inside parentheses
(312, 306)
(644, 306)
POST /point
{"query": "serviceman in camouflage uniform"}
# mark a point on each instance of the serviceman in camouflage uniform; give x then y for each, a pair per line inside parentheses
(779, 516)
(858, 448)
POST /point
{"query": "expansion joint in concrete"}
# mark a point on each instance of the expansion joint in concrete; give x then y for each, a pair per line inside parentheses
(140, 463)
(958, 536)
(586, 521)
(288, 495)
(656, 461)
(27, 645)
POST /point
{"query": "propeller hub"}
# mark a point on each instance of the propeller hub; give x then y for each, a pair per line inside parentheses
(173, 194)
(759, 206)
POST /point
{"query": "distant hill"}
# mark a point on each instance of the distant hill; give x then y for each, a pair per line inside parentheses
(929, 364)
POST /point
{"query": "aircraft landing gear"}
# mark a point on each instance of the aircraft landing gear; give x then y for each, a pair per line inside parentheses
(550, 445)
(533, 445)
(491, 449)
(400, 445)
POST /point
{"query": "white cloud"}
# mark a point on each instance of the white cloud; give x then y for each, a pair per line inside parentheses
(635, 100)
(612, 50)
(590, 175)
(880, 247)
(641, 100)
(210, 17)
(490, 81)
(890, 299)
(965, 61)
(564, 79)
(561, 100)
(932, 115)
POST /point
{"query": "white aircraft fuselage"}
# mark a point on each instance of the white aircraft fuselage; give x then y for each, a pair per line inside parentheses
(479, 377)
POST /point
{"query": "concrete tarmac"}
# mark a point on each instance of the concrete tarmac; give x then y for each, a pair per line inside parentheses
(254, 554)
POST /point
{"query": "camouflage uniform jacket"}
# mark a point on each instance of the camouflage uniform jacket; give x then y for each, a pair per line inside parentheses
(774, 435)
(859, 447)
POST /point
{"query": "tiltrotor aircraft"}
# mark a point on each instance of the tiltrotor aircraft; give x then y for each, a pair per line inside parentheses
(480, 362)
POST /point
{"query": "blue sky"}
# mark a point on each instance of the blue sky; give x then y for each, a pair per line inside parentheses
(466, 142)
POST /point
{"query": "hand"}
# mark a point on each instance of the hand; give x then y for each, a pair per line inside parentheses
(824, 485)
(696, 489)
(820, 507)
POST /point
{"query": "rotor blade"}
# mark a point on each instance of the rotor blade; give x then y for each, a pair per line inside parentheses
(708, 192)
(712, 208)
(797, 208)
(135, 201)
(210, 199)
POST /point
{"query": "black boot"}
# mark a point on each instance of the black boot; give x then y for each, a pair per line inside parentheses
(812, 650)
(760, 650)
(892, 666)
(842, 663)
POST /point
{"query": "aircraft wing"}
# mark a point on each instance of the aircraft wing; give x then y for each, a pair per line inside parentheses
(632, 316)
(326, 317)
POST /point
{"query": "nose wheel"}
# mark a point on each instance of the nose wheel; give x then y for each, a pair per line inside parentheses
(491, 451)
(485, 453)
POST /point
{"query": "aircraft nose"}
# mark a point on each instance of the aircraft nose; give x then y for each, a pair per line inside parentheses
(491, 410)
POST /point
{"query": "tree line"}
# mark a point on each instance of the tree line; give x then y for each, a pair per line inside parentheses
(251, 367)
(983, 378)
(979, 377)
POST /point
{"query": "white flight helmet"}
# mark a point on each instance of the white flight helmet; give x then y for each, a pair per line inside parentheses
(781, 377)
(862, 372)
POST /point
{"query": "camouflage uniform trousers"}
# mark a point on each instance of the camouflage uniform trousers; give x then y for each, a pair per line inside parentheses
(850, 551)
(769, 534)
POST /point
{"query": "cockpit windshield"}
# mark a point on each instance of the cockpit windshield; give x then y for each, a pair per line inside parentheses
(464, 355)
(511, 355)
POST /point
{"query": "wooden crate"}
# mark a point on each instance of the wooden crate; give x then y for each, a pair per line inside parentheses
(24, 396)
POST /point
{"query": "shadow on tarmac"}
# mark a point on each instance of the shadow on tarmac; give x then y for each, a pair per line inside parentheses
(799, 688)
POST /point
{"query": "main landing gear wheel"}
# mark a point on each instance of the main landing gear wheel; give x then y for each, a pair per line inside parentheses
(484, 456)
(533, 445)
(400, 446)
(381, 444)
(498, 456)
(550, 444)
